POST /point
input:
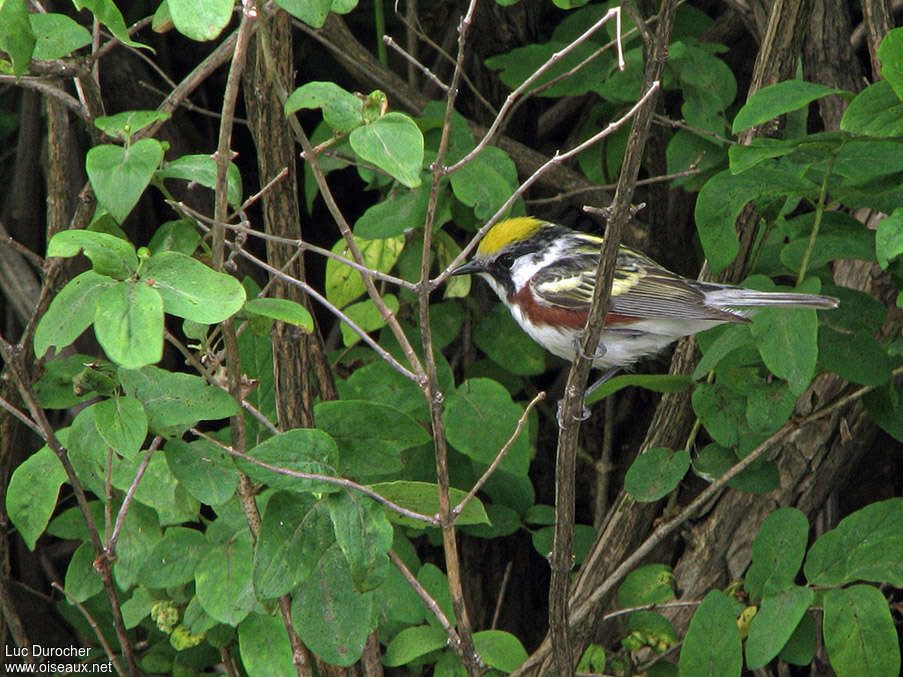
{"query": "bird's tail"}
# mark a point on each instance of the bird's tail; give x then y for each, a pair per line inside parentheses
(739, 297)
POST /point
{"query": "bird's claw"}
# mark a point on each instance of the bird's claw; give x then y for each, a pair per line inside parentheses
(560, 419)
(599, 353)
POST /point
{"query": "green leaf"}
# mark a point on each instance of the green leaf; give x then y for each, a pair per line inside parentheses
(712, 645)
(364, 535)
(500, 650)
(485, 182)
(412, 643)
(264, 647)
(71, 311)
(370, 435)
(889, 238)
(124, 125)
(192, 290)
(202, 169)
(174, 401)
(82, 580)
(657, 383)
(204, 469)
(650, 584)
(16, 36)
(343, 283)
(32, 493)
(379, 382)
(367, 316)
(402, 210)
(773, 625)
(393, 143)
(890, 54)
(122, 423)
(856, 357)
(656, 473)
(479, 420)
(311, 12)
(800, 648)
(59, 386)
(435, 582)
(584, 535)
(859, 633)
(139, 535)
(56, 35)
(777, 553)
(722, 412)
(724, 196)
(110, 255)
(128, 324)
(788, 344)
(774, 100)
(180, 235)
(107, 13)
(173, 560)
(768, 406)
(866, 545)
(306, 450)
(341, 109)
(87, 452)
(876, 111)
(295, 531)
(332, 618)
(120, 175)
(423, 498)
(886, 406)
(223, 581)
(283, 310)
(498, 335)
(200, 20)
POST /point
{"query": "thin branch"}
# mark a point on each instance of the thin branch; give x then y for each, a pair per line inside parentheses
(454, 639)
(300, 244)
(317, 296)
(129, 494)
(410, 59)
(44, 87)
(339, 481)
(557, 159)
(22, 416)
(512, 97)
(472, 662)
(94, 626)
(499, 456)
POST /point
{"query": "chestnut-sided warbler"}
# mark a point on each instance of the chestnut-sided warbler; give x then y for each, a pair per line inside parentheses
(546, 273)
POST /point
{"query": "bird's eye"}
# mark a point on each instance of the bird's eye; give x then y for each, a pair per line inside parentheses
(506, 260)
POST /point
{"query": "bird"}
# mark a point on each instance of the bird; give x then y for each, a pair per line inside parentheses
(545, 273)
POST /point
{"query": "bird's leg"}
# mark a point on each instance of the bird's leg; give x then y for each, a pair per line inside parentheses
(606, 375)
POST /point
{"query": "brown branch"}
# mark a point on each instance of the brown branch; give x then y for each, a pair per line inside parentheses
(561, 560)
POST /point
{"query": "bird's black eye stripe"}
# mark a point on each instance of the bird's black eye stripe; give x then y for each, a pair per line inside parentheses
(506, 260)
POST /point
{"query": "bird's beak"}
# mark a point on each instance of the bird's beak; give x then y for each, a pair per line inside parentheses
(469, 268)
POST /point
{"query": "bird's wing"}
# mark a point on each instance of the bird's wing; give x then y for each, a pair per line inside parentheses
(642, 289)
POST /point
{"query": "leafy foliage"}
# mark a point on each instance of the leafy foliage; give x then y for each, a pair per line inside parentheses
(245, 534)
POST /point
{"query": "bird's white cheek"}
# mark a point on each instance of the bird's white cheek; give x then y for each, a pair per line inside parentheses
(496, 287)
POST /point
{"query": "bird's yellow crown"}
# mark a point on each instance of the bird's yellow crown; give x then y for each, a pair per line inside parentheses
(506, 232)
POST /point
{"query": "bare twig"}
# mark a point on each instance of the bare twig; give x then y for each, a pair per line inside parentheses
(129, 494)
(558, 158)
(499, 456)
(94, 626)
(339, 481)
(513, 96)
(410, 59)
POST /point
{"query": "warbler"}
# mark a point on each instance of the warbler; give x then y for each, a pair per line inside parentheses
(545, 273)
